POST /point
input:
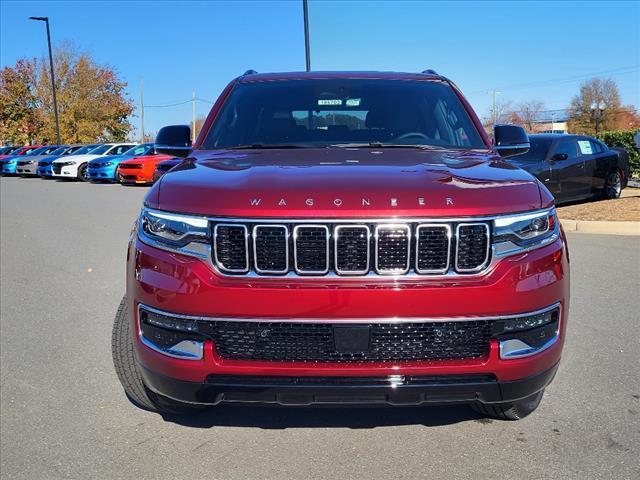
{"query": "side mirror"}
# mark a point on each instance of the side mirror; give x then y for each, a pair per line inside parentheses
(559, 157)
(510, 140)
(174, 140)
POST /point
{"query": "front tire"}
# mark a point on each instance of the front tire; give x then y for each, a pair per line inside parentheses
(510, 411)
(83, 173)
(129, 373)
(613, 185)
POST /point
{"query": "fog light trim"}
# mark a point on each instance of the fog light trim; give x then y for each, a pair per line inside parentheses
(516, 348)
(185, 350)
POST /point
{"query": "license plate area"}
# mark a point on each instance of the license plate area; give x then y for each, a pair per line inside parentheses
(352, 338)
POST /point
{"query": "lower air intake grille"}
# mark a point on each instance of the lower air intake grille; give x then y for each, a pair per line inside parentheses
(314, 342)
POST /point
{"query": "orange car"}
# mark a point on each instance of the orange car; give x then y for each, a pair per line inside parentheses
(139, 169)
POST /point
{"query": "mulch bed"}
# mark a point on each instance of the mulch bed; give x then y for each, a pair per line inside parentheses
(624, 209)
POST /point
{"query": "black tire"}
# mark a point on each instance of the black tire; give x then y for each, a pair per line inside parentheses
(129, 373)
(83, 171)
(510, 411)
(613, 185)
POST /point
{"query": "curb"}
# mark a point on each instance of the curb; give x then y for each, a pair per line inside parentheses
(601, 228)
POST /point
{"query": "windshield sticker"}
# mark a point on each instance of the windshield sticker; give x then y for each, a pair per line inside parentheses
(585, 147)
(353, 102)
(330, 101)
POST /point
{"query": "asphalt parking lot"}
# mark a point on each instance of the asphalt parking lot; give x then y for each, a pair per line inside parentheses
(64, 414)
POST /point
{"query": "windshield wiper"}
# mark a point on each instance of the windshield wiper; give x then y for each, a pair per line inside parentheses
(387, 145)
(258, 146)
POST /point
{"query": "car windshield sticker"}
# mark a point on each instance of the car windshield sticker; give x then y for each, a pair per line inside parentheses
(330, 101)
(353, 102)
(585, 147)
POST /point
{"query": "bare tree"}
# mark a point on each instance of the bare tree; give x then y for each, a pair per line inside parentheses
(596, 107)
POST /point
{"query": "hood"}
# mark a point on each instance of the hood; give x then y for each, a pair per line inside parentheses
(148, 158)
(112, 158)
(343, 182)
(78, 158)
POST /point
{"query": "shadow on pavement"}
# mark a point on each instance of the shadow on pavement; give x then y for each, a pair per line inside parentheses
(276, 418)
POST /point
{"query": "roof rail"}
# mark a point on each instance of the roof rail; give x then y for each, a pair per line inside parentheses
(249, 72)
(429, 72)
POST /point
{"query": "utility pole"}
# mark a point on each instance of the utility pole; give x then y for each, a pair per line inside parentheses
(305, 9)
(142, 110)
(53, 78)
(193, 118)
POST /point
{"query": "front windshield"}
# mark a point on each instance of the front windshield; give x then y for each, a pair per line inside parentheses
(85, 149)
(59, 151)
(140, 150)
(343, 112)
(101, 149)
(39, 151)
(33, 151)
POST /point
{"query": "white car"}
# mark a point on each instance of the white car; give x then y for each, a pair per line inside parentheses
(75, 166)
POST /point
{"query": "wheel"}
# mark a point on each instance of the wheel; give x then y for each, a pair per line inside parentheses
(83, 173)
(129, 373)
(613, 185)
(510, 411)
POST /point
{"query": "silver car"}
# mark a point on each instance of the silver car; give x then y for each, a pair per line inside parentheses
(28, 164)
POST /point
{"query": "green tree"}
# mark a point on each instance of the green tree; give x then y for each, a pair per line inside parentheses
(20, 114)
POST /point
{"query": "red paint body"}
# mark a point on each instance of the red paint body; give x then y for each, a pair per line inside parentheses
(403, 184)
(139, 169)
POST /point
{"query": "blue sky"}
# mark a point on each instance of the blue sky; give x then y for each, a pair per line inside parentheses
(526, 50)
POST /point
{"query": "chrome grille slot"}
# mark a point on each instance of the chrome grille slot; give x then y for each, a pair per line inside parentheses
(311, 249)
(393, 245)
(352, 249)
(433, 248)
(472, 251)
(271, 248)
(231, 249)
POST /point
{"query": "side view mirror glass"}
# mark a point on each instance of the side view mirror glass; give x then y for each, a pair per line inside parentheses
(174, 140)
(510, 140)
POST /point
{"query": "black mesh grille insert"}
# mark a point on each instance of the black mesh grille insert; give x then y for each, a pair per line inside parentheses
(314, 342)
(312, 248)
(472, 246)
(56, 167)
(352, 249)
(270, 244)
(432, 253)
(231, 247)
(393, 248)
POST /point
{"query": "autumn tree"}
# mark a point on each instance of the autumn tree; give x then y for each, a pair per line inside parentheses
(20, 112)
(527, 114)
(596, 107)
(92, 104)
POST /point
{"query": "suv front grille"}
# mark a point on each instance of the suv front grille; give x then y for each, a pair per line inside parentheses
(351, 249)
(314, 342)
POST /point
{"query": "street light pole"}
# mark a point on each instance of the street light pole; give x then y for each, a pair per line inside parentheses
(305, 9)
(53, 77)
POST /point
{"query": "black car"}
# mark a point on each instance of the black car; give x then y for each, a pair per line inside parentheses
(575, 167)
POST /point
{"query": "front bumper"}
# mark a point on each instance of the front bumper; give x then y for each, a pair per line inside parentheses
(69, 171)
(27, 169)
(391, 390)
(133, 176)
(8, 168)
(103, 173)
(516, 285)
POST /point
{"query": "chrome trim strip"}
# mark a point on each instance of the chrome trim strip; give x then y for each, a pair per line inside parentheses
(336, 235)
(286, 247)
(184, 350)
(516, 348)
(295, 250)
(392, 226)
(447, 227)
(219, 264)
(348, 321)
(487, 250)
(357, 220)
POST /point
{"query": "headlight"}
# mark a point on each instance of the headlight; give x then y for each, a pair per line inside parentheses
(516, 233)
(185, 234)
(64, 164)
(107, 164)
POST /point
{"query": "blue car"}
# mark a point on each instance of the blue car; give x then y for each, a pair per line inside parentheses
(45, 167)
(8, 164)
(104, 168)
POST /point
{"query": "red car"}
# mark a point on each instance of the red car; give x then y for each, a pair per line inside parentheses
(344, 237)
(139, 169)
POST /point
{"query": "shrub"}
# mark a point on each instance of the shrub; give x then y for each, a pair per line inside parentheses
(626, 140)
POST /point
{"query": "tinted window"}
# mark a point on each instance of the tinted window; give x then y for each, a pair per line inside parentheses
(140, 150)
(101, 149)
(537, 151)
(596, 147)
(119, 150)
(568, 147)
(325, 112)
(84, 150)
(59, 151)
